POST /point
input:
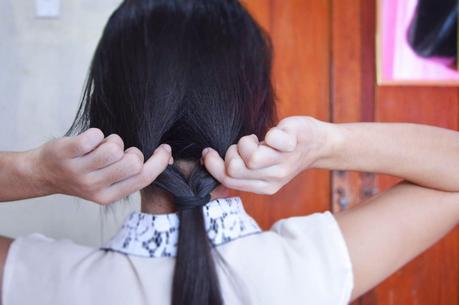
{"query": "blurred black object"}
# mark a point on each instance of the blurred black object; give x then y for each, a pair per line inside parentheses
(433, 29)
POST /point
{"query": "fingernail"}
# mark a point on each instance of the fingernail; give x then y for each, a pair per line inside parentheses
(205, 151)
(167, 147)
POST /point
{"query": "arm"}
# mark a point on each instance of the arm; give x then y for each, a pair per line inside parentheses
(17, 178)
(391, 227)
(425, 155)
(394, 227)
(88, 166)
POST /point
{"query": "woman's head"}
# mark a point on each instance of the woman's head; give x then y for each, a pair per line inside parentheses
(190, 73)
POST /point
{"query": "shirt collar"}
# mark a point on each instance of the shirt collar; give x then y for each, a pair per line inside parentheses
(156, 235)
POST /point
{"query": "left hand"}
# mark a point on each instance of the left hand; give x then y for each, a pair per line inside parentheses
(95, 168)
(295, 144)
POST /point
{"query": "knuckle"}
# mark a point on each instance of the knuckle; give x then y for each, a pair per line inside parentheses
(133, 163)
(135, 150)
(254, 161)
(81, 146)
(244, 140)
(114, 152)
(287, 121)
(115, 137)
(231, 150)
(271, 132)
(234, 168)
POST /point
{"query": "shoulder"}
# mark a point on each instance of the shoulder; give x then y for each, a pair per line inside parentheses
(36, 250)
(318, 247)
(318, 231)
(307, 257)
(49, 268)
(316, 242)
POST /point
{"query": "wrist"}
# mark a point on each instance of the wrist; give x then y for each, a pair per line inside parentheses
(332, 144)
(28, 167)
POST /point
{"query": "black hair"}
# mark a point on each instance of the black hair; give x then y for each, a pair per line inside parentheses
(433, 30)
(192, 74)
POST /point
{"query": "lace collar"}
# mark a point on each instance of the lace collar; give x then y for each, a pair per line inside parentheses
(151, 235)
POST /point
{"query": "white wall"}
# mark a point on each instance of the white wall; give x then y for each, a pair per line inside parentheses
(43, 64)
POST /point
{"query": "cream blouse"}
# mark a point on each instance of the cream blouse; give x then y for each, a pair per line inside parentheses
(300, 260)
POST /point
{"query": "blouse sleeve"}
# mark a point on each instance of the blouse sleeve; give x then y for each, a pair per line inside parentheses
(316, 246)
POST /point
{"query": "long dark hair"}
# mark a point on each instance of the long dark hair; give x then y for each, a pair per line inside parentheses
(190, 73)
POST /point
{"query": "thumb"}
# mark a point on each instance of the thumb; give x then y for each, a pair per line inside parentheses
(157, 163)
(214, 164)
(281, 139)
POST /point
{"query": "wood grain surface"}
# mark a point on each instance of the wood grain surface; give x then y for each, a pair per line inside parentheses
(324, 66)
(300, 34)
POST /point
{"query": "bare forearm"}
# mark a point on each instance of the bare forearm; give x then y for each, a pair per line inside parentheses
(18, 179)
(425, 155)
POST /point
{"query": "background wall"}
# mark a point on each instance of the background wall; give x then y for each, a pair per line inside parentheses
(43, 67)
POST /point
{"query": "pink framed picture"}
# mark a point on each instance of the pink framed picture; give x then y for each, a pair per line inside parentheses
(417, 42)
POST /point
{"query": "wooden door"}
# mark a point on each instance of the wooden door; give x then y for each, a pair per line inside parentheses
(325, 67)
(433, 277)
(300, 35)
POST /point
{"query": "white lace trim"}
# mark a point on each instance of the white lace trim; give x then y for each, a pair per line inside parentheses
(156, 235)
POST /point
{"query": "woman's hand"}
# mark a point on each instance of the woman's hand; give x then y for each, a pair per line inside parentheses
(295, 144)
(91, 167)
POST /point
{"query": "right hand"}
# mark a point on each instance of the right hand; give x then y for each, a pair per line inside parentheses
(95, 167)
(292, 146)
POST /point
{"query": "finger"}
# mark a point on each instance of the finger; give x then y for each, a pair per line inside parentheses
(214, 164)
(247, 146)
(216, 167)
(108, 152)
(232, 157)
(280, 139)
(234, 165)
(81, 144)
(264, 156)
(154, 166)
(236, 168)
(129, 165)
(137, 152)
(114, 138)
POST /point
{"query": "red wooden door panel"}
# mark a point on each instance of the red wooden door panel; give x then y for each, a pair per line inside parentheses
(324, 66)
(432, 278)
(300, 33)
